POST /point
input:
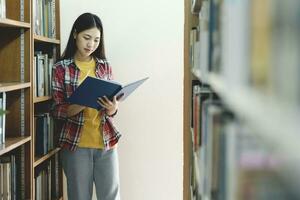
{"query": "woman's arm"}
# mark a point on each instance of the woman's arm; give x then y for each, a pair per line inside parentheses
(59, 107)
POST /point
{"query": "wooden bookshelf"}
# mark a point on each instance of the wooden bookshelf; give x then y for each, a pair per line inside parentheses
(15, 92)
(45, 46)
(249, 107)
(18, 43)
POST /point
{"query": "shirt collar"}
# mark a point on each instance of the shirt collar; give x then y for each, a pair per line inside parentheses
(70, 61)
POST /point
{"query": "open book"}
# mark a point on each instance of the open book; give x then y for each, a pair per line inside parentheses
(92, 88)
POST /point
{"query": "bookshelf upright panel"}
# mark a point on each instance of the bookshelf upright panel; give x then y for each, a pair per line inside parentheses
(242, 136)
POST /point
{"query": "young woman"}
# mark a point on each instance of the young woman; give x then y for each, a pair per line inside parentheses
(88, 137)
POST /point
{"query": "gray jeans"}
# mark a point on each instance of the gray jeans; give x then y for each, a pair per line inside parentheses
(86, 166)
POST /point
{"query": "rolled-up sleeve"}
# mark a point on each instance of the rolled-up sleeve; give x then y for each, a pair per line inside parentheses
(59, 106)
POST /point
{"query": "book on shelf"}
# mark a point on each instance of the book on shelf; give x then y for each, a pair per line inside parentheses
(1, 181)
(46, 75)
(39, 74)
(214, 60)
(196, 110)
(2, 9)
(44, 18)
(43, 181)
(204, 41)
(43, 74)
(2, 117)
(285, 51)
(194, 48)
(44, 134)
(198, 97)
(254, 167)
(195, 174)
(261, 44)
(196, 6)
(235, 45)
(52, 17)
(8, 177)
(91, 89)
(195, 83)
(1, 122)
(215, 113)
(209, 156)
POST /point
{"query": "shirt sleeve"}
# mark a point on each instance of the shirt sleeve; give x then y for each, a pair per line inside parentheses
(59, 106)
(108, 71)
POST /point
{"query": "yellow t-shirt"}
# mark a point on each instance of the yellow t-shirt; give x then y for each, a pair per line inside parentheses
(91, 134)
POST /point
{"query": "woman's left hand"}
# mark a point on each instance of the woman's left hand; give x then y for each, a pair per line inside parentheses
(110, 106)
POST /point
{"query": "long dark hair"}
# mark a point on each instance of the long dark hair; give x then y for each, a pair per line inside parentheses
(83, 22)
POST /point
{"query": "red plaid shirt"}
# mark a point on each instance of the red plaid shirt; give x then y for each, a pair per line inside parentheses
(64, 82)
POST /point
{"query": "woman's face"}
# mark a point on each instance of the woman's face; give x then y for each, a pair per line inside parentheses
(87, 42)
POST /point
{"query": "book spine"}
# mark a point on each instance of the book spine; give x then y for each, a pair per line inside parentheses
(3, 116)
(1, 121)
(235, 44)
(1, 181)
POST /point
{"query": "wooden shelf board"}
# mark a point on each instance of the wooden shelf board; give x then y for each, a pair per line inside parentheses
(39, 160)
(39, 38)
(271, 119)
(13, 143)
(4, 22)
(6, 87)
(41, 99)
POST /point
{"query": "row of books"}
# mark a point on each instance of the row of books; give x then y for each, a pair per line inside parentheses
(2, 8)
(43, 184)
(196, 6)
(199, 42)
(44, 18)
(46, 180)
(44, 134)
(249, 44)
(8, 177)
(43, 74)
(229, 161)
(12, 174)
(194, 55)
(2, 117)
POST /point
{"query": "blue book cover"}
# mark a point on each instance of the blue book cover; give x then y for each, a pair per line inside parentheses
(92, 88)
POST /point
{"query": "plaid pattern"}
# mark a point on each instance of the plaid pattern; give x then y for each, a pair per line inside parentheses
(64, 82)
